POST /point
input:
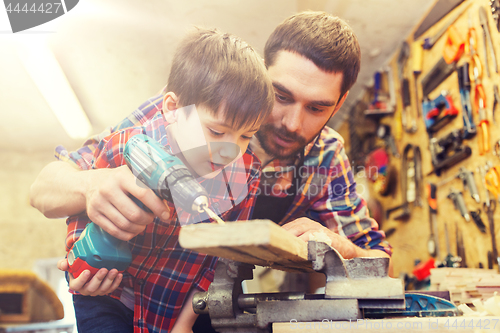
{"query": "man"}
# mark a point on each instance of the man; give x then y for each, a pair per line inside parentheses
(313, 60)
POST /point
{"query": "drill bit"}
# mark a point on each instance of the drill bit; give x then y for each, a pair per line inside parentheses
(213, 215)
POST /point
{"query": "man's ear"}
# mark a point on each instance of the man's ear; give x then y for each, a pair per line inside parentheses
(170, 104)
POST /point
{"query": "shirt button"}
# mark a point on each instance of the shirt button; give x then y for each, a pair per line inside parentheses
(140, 282)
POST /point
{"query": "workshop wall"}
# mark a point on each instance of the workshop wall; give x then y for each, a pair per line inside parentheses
(25, 234)
(409, 237)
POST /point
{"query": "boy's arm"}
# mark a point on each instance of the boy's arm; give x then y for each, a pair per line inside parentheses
(187, 317)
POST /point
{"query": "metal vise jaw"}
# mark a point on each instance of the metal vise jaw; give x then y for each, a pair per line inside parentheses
(352, 285)
(365, 280)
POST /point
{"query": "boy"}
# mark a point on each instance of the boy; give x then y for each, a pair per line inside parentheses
(218, 94)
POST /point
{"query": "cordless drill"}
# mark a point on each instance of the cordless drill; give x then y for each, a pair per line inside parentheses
(169, 179)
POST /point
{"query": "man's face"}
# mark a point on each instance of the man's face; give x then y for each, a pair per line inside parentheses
(306, 98)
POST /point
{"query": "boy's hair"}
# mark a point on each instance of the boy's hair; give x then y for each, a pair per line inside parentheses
(324, 39)
(221, 72)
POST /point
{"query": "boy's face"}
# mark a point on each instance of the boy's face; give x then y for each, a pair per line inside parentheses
(207, 142)
(306, 98)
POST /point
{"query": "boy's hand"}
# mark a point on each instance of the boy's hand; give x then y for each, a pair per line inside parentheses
(109, 204)
(102, 283)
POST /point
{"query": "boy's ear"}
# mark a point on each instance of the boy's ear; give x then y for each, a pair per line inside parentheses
(170, 104)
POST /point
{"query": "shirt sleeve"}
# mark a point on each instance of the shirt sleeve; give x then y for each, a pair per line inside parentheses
(343, 210)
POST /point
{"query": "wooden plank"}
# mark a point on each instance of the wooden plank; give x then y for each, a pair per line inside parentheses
(257, 242)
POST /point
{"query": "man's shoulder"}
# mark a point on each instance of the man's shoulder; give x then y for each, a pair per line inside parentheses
(331, 136)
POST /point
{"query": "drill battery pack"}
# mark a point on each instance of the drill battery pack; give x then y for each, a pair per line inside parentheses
(96, 249)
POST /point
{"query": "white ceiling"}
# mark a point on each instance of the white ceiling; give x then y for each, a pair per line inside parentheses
(116, 53)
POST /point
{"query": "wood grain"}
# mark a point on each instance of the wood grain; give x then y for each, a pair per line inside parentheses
(257, 242)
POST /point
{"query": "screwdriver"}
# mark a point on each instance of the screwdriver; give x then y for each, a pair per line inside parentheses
(432, 243)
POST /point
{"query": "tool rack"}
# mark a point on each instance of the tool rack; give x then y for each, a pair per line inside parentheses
(409, 237)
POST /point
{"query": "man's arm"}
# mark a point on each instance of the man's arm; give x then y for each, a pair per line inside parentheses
(62, 190)
(58, 191)
(340, 209)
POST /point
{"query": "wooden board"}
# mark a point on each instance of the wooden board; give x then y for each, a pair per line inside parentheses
(257, 242)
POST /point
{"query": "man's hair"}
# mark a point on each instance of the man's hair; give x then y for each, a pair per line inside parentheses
(324, 39)
(221, 72)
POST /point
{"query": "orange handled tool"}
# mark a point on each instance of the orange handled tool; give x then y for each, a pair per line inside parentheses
(479, 103)
(493, 180)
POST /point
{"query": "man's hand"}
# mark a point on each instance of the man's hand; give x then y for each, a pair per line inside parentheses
(102, 283)
(61, 190)
(304, 228)
(110, 206)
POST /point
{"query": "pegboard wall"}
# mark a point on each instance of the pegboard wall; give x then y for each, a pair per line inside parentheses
(409, 237)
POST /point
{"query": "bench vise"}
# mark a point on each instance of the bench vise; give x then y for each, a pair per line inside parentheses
(355, 289)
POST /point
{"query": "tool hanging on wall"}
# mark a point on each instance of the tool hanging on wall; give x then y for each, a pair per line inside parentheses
(468, 181)
(408, 121)
(459, 203)
(431, 41)
(453, 50)
(476, 217)
(495, 12)
(496, 149)
(438, 112)
(493, 180)
(380, 172)
(416, 61)
(440, 9)
(384, 133)
(475, 74)
(496, 101)
(460, 247)
(482, 173)
(411, 182)
(469, 130)
(433, 242)
(483, 19)
(450, 260)
(493, 254)
(484, 132)
(382, 103)
(448, 151)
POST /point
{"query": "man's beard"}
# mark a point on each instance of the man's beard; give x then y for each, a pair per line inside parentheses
(265, 135)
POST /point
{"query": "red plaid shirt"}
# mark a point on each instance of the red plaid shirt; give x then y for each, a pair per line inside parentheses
(162, 273)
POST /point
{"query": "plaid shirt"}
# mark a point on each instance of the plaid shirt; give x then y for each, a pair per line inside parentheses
(326, 190)
(162, 273)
